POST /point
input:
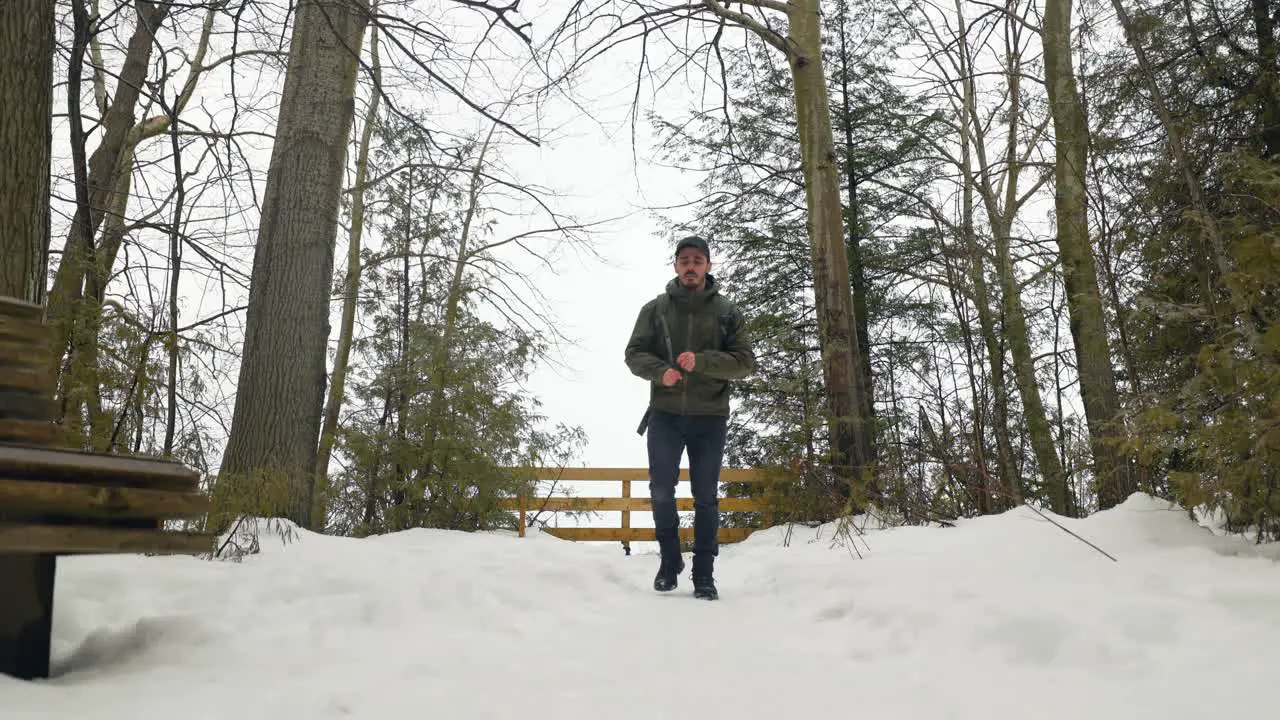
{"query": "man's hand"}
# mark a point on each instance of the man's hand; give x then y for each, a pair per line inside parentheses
(686, 361)
(670, 377)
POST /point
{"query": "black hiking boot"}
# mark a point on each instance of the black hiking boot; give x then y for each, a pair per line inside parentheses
(668, 571)
(704, 586)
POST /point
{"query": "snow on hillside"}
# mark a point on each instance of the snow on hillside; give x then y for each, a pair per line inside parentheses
(1000, 617)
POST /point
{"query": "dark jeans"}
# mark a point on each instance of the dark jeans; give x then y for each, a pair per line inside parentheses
(703, 436)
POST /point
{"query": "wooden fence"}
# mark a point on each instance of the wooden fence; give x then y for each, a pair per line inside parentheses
(627, 504)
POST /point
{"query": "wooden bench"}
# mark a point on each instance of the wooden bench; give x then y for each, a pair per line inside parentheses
(56, 501)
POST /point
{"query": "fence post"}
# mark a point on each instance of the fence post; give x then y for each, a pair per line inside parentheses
(766, 517)
(523, 503)
(626, 516)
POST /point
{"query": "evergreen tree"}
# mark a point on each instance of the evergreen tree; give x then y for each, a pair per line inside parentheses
(1194, 211)
(754, 209)
(440, 420)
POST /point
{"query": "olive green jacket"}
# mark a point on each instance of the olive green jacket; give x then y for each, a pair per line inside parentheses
(703, 322)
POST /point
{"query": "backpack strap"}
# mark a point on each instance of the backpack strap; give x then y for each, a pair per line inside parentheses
(660, 312)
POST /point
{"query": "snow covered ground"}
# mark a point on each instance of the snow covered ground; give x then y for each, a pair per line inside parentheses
(1001, 617)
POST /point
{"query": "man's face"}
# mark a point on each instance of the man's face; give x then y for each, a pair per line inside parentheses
(692, 268)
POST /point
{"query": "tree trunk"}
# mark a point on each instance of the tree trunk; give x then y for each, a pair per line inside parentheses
(175, 277)
(837, 322)
(1267, 88)
(1000, 215)
(26, 140)
(1111, 282)
(1209, 243)
(350, 294)
(409, 497)
(977, 446)
(982, 302)
(857, 266)
(441, 363)
(372, 499)
(75, 302)
(280, 394)
(1211, 253)
(898, 470)
(83, 384)
(1005, 475)
(26, 137)
(1024, 372)
(1084, 302)
(1059, 417)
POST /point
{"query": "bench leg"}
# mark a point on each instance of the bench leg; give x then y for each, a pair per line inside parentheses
(26, 614)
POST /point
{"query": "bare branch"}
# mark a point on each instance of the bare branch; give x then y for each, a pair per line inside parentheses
(500, 15)
(387, 25)
(781, 7)
(766, 34)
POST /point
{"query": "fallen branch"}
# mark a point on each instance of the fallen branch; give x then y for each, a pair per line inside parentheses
(1065, 530)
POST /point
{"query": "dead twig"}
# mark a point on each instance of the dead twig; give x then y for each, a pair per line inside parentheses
(1072, 534)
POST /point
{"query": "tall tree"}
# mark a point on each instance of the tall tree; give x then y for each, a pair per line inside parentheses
(755, 206)
(855, 173)
(280, 394)
(998, 169)
(111, 159)
(350, 290)
(26, 127)
(1185, 135)
(802, 47)
(837, 325)
(98, 234)
(1002, 210)
(1113, 475)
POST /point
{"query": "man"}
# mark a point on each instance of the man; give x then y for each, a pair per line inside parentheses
(688, 343)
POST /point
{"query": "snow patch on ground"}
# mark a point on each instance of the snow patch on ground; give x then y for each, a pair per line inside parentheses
(998, 617)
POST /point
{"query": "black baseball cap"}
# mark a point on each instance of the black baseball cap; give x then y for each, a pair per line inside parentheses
(695, 242)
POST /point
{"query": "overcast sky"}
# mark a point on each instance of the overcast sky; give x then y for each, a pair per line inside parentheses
(597, 301)
(592, 159)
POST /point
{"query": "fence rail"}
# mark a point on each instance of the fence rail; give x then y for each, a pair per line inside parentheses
(626, 504)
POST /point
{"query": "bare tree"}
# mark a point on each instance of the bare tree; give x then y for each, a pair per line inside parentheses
(1002, 180)
(280, 393)
(1114, 475)
(1002, 209)
(109, 161)
(106, 219)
